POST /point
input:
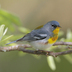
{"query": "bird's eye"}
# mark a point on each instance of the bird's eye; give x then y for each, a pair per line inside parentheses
(54, 25)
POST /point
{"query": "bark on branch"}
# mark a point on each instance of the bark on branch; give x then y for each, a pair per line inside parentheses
(23, 48)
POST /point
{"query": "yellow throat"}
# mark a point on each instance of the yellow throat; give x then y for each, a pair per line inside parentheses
(53, 39)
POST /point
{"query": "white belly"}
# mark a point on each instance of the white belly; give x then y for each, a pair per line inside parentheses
(40, 45)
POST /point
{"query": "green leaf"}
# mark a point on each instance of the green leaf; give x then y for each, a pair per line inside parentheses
(24, 30)
(51, 62)
(1, 31)
(9, 19)
(69, 34)
(5, 31)
(7, 38)
(68, 57)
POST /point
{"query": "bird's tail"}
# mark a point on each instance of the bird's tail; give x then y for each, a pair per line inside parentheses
(15, 41)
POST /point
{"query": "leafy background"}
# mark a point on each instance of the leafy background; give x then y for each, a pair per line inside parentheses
(18, 17)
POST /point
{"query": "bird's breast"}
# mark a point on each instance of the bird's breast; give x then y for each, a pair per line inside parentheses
(52, 39)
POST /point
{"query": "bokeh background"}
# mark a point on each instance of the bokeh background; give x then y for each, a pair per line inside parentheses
(33, 13)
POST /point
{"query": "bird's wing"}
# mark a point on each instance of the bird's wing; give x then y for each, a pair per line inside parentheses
(33, 36)
(36, 35)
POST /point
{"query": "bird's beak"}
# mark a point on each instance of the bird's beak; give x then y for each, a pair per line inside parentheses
(59, 27)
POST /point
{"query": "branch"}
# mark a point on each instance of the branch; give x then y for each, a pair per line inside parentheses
(63, 43)
(23, 47)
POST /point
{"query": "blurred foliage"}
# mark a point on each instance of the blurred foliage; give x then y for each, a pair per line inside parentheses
(2, 33)
(7, 21)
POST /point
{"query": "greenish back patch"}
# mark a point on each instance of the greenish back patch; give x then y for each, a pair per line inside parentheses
(39, 27)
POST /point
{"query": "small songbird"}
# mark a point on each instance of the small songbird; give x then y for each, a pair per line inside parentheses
(43, 36)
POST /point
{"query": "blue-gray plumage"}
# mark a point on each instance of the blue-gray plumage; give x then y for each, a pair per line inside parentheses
(44, 33)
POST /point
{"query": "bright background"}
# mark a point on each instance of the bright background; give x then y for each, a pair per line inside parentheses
(33, 13)
(37, 12)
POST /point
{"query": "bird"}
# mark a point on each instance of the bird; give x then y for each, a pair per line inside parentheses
(42, 37)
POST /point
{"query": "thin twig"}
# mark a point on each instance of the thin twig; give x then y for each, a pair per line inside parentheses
(63, 43)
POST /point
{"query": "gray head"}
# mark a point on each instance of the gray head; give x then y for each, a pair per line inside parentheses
(51, 25)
